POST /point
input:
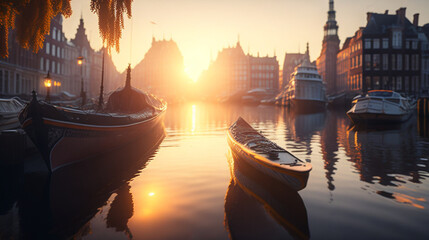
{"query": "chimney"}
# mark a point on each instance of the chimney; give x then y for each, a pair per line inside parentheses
(401, 14)
(386, 12)
(416, 20)
(368, 16)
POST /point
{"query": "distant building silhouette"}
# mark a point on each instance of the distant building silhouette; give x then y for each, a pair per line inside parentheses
(234, 72)
(390, 53)
(264, 73)
(290, 62)
(25, 70)
(327, 61)
(162, 71)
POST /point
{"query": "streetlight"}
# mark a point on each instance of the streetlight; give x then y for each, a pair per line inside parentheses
(48, 84)
(82, 92)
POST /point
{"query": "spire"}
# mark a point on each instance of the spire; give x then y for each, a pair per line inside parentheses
(331, 27)
(307, 52)
(128, 81)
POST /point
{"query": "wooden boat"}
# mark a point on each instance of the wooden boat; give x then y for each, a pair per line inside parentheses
(67, 135)
(61, 205)
(266, 156)
(9, 110)
(381, 106)
(256, 199)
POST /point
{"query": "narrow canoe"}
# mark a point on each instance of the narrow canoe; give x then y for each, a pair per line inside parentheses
(252, 147)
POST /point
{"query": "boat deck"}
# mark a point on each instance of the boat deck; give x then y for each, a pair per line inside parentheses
(252, 139)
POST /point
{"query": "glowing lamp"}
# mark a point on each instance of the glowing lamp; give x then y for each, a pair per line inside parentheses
(80, 60)
(48, 84)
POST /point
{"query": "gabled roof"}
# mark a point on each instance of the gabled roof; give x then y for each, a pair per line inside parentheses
(381, 23)
(425, 29)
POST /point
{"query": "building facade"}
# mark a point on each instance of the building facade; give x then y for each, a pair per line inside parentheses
(233, 72)
(264, 73)
(24, 70)
(162, 71)
(327, 61)
(291, 61)
(385, 54)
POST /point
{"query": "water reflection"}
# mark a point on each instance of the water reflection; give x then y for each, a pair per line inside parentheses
(260, 207)
(60, 205)
(301, 128)
(386, 153)
(121, 210)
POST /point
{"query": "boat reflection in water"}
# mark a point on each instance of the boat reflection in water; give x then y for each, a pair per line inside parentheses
(60, 205)
(260, 207)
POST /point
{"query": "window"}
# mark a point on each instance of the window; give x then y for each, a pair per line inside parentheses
(58, 52)
(407, 44)
(398, 83)
(53, 67)
(376, 62)
(399, 61)
(53, 50)
(58, 68)
(393, 62)
(385, 43)
(415, 43)
(376, 43)
(385, 61)
(376, 82)
(59, 35)
(367, 43)
(385, 82)
(54, 33)
(397, 39)
(368, 83)
(367, 61)
(41, 63)
(407, 62)
(47, 65)
(48, 48)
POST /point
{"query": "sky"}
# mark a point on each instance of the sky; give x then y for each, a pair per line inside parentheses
(201, 28)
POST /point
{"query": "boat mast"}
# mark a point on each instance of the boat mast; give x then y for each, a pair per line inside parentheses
(100, 99)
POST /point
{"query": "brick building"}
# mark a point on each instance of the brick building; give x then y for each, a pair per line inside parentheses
(385, 54)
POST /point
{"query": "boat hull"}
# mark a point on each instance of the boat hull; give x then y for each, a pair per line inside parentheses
(304, 105)
(294, 178)
(377, 118)
(63, 143)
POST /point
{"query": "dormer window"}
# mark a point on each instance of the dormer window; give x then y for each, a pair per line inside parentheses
(397, 39)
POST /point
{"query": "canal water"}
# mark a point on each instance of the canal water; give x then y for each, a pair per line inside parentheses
(365, 183)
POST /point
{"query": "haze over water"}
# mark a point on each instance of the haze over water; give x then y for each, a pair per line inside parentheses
(364, 183)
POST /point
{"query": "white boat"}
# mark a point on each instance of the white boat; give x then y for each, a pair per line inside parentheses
(306, 90)
(381, 106)
(9, 110)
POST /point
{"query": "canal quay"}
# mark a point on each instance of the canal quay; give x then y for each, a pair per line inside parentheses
(366, 183)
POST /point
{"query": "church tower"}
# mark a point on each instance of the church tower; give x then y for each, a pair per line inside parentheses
(327, 61)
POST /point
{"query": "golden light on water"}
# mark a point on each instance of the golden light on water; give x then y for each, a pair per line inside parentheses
(193, 118)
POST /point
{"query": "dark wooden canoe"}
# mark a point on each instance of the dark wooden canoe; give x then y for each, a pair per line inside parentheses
(249, 145)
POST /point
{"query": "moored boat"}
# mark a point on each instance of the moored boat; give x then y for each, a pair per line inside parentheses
(305, 91)
(266, 156)
(9, 110)
(68, 135)
(381, 106)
